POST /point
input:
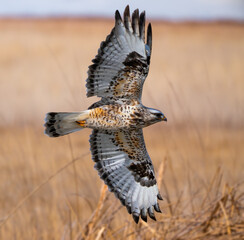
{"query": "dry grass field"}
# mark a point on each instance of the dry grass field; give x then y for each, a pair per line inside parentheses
(48, 187)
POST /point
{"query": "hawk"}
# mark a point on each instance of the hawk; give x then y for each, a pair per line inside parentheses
(117, 145)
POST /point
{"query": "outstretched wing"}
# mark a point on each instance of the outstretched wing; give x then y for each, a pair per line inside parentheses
(122, 63)
(123, 163)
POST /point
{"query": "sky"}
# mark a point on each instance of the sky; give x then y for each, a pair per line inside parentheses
(159, 9)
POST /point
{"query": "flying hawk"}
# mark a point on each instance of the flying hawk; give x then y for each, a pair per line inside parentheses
(117, 76)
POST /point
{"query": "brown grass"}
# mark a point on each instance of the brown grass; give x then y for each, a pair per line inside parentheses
(49, 189)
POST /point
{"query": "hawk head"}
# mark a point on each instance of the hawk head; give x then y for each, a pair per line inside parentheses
(156, 116)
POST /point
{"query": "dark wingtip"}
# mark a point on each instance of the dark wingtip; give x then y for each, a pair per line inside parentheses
(142, 26)
(153, 217)
(144, 214)
(135, 21)
(149, 36)
(149, 28)
(117, 16)
(157, 208)
(136, 13)
(159, 196)
(142, 17)
(128, 209)
(127, 11)
(136, 218)
(127, 17)
(144, 218)
(151, 213)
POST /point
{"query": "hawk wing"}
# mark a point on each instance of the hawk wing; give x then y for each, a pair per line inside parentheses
(122, 63)
(123, 163)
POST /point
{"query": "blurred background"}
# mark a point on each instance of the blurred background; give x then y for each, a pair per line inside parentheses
(168, 10)
(196, 79)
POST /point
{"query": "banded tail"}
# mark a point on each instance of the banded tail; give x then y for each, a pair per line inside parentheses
(59, 124)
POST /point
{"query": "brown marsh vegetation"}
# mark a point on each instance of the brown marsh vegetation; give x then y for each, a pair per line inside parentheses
(48, 187)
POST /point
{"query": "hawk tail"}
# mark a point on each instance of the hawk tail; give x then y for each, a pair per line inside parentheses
(62, 123)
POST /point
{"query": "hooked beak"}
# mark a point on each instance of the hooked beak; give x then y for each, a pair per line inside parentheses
(164, 119)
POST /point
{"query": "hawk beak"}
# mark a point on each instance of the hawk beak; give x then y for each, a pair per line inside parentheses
(164, 119)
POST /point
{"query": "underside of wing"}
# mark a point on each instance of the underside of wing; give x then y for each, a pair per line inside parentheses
(122, 63)
(122, 161)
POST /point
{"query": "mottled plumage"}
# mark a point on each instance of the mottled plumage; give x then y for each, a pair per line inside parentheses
(117, 145)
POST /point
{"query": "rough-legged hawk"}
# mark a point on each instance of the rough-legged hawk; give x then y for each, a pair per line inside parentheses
(117, 76)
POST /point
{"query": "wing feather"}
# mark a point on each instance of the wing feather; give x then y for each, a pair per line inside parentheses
(127, 20)
(149, 37)
(135, 22)
(142, 26)
(123, 163)
(122, 63)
